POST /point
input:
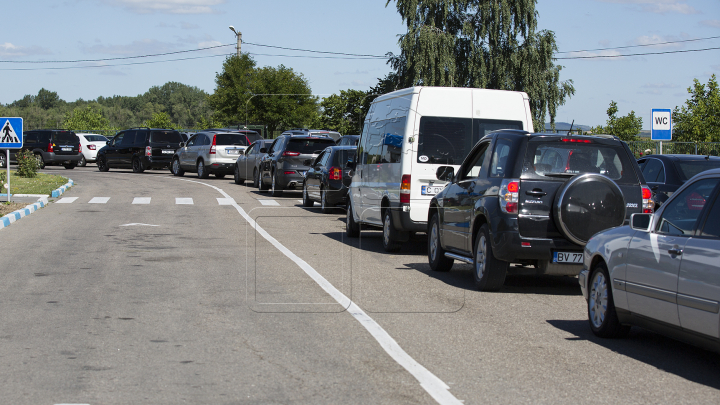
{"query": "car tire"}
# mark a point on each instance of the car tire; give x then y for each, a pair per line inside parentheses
(307, 202)
(256, 178)
(436, 254)
(102, 164)
(70, 166)
(489, 273)
(219, 176)
(40, 161)
(352, 228)
(176, 169)
(389, 242)
(325, 207)
(82, 162)
(137, 166)
(202, 173)
(236, 176)
(601, 306)
(275, 189)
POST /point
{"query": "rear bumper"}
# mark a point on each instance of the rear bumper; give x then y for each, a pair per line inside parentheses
(401, 218)
(52, 158)
(508, 246)
(221, 168)
(157, 162)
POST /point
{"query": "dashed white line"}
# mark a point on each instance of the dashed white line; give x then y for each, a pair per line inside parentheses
(225, 201)
(66, 200)
(141, 200)
(99, 200)
(187, 201)
(269, 202)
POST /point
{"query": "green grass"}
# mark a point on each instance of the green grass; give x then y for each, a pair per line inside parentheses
(42, 184)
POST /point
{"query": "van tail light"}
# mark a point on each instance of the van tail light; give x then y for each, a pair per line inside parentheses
(90, 147)
(648, 204)
(288, 153)
(509, 191)
(148, 151)
(50, 147)
(405, 189)
(213, 148)
(335, 173)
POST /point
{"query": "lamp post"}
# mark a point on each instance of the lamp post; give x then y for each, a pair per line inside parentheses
(238, 35)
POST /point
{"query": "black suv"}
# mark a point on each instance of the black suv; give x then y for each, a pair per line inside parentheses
(283, 167)
(51, 147)
(534, 200)
(140, 149)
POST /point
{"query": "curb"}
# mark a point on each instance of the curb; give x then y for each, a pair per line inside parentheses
(23, 212)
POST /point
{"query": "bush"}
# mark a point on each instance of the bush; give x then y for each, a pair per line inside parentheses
(27, 164)
(2, 181)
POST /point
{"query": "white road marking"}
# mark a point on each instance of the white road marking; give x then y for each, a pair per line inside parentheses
(428, 381)
(269, 202)
(225, 201)
(99, 200)
(66, 200)
(141, 200)
(300, 201)
(138, 224)
(188, 201)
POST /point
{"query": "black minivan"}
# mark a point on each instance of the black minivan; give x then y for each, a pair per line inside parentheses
(140, 149)
(50, 147)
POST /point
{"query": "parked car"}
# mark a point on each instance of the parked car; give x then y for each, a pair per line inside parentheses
(327, 178)
(664, 174)
(208, 153)
(91, 144)
(50, 147)
(251, 135)
(247, 166)
(283, 167)
(139, 149)
(506, 205)
(407, 135)
(661, 271)
(349, 140)
(313, 132)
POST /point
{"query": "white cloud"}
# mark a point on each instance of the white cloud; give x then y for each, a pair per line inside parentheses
(11, 51)
(711, 23)
(657, 39)
(658, 6)
(143, 47)
(608, 54)
(188, 26)
(167, 6)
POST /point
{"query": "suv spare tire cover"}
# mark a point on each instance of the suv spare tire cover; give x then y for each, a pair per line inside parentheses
(587, 204)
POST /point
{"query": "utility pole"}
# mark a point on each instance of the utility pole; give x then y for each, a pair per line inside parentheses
(238, 35)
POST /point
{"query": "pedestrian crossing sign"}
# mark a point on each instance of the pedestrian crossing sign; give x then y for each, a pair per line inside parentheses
(11, 133)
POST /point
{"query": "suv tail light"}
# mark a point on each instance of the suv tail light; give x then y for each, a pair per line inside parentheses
(288, 153)
(509, 191)
(405, 189)
(335, 173)
(648, 205)
(50, 147)
(79, 148)
(148, 151)
(213, 148)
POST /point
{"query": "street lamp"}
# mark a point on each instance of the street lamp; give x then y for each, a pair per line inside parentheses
(238, 35)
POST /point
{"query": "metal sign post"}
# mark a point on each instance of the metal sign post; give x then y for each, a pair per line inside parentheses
(7, 164)
(11, 137)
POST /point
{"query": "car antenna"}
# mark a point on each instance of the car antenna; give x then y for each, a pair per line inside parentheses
(571, 125)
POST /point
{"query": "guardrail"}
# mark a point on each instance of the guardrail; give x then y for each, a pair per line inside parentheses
(639, 148)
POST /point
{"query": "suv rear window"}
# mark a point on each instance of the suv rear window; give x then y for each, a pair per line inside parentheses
(65, 137)
(165, 136)
(231, 139)
(95, 138)
(309, 145)
(567, 159)
(689, 168)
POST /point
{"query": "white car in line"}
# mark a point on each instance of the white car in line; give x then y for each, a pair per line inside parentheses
(91, 144)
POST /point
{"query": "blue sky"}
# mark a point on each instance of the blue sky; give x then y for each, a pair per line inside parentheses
(40, 31)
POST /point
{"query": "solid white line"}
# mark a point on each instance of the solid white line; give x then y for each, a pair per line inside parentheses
(269, 202)
(141, 200)
(66, 200)
(188, 201)
(428, 381)
(99, 200)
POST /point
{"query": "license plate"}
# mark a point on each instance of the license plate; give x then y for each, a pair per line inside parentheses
(430, 190)
(168, 151)
(66, 149)
(568, 257)
(232, 151)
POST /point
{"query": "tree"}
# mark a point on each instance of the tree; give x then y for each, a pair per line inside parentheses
(47, 99)
(344, 112)
(282, 100)
(159, 120)
(86, 119)
(233, 88)
(699, 119)
(484, 44)
(625, 128)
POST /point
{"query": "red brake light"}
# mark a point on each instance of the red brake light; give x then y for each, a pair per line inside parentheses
(509, 189)
(213, 148)
(575, 140)
(648, 205)
(91, 147)
(335, 173)
(288, 153)
(50, 147)
(148, 151)
(513, 187)
(646, 193)
(405, 189)
(79, 148)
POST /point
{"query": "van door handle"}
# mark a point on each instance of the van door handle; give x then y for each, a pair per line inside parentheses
(536, 193)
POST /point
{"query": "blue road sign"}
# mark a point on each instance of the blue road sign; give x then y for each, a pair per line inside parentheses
(661, 125)
(11, 133)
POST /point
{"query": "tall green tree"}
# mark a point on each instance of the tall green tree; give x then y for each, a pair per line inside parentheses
(159, 120)
(484, 44)
(626, 128)
(344, 112)
(283, 99)
(233, 89)
(85, 119)
(699, 119)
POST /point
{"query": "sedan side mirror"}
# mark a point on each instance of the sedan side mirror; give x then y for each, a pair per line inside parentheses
(641, 222)
(445, 173)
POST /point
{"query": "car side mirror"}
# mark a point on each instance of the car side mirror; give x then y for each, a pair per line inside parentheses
(263, 150)
(182, 144)
(107, 143)
(307, 162)
(445, 173)
(641, 222)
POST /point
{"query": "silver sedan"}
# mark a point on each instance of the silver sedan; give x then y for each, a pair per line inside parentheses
(662, 272)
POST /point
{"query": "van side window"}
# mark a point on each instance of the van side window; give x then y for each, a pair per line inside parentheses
(374, 142)
(361, 150)
(128, 139)
(118, 139)
(392, 139)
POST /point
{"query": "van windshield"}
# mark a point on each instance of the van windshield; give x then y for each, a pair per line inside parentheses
(443, 140)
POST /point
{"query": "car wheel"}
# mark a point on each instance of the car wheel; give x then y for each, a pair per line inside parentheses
(488, 272)
(601, 307)
(389, 243)
(40, 161)
(325, 207)
(352, 228)
(3, 158)
(137, 166)
(82, 162)
(219, 176)
(256, 179)
(175, 168)
(70, 165)
(102, 164)
(436, 253)
(307, 202)
(275, 189)
(201, 172)
(238, 180)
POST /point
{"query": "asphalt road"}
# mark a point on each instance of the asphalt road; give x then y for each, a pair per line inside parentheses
(240, 301)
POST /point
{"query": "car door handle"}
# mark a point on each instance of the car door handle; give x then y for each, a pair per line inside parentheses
(675, 250)
(536, 193)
